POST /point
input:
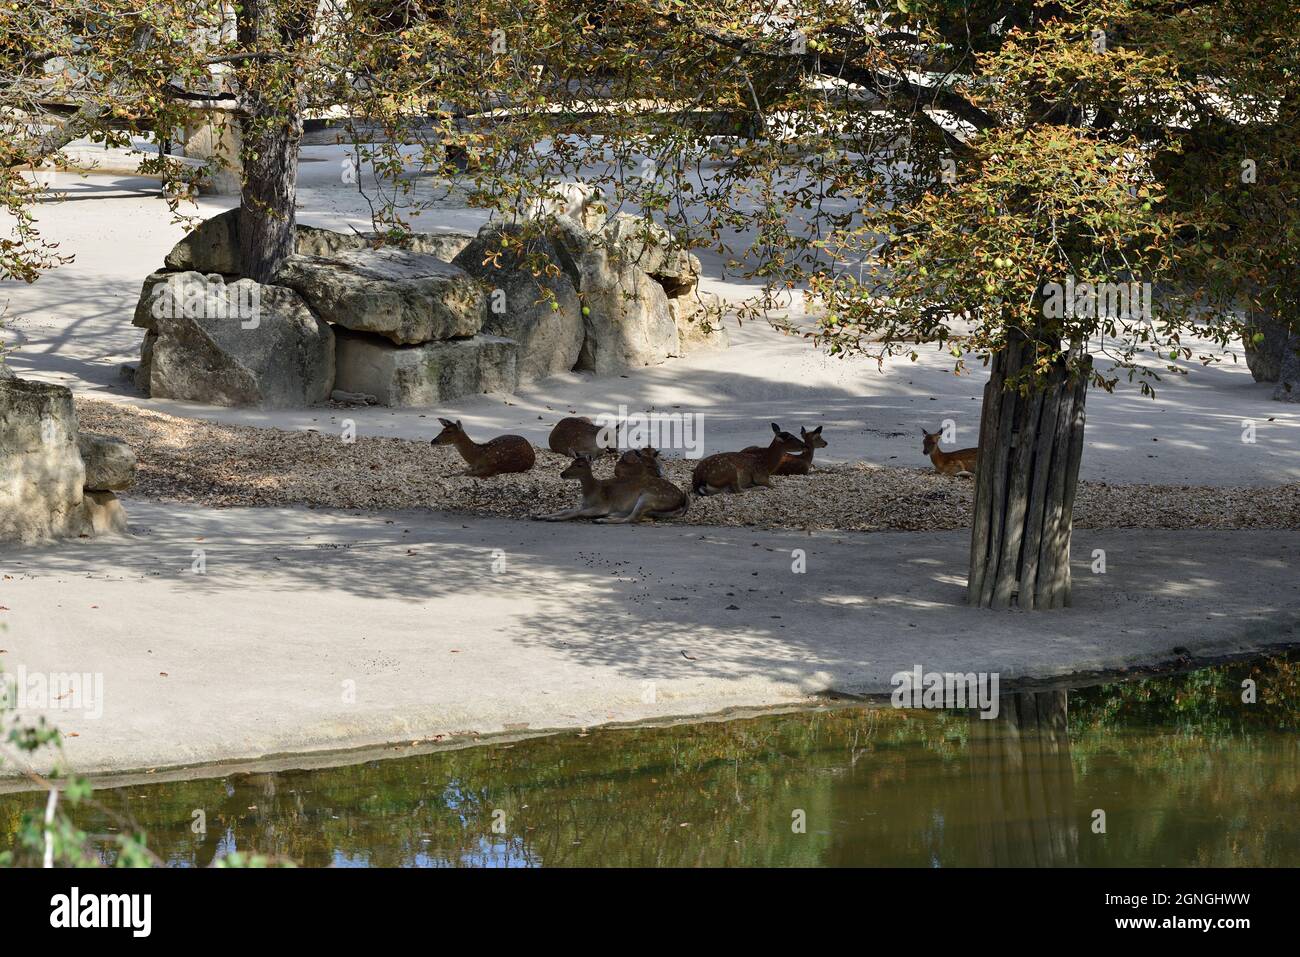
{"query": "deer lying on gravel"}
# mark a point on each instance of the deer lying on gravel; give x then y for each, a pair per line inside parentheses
(948, 463)
(633, 462)
(505, 453)
(736, 471)
(800, 464)
(577, 434)
(620, 500)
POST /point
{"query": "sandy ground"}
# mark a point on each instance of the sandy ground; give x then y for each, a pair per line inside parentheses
(73, 326)
(315, 630)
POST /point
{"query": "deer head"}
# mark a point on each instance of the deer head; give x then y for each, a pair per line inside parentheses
(451, 431)
(813, 439)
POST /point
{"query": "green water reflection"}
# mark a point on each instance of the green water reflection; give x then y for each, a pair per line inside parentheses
(1186, 773)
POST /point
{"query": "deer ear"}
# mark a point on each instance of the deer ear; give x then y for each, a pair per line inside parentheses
(459, 426)
(445, 423)
(776, 428)
(816, 431)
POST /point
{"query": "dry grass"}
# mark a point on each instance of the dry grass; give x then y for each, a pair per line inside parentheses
(189, 460)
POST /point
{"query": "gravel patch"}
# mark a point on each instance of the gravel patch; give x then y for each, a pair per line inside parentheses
(224, 466)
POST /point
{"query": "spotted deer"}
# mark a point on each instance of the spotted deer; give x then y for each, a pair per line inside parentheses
(619, 500)
(959, 462)
(578, 434)
(633, 462)
(505, 453)
(736, 471)
(800, 464)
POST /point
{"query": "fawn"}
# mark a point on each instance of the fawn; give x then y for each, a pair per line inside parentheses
(633, 462)
(620, 501)
(505, 453)
(800, 464)
(734, 471)
(948, 463)
(577, 434)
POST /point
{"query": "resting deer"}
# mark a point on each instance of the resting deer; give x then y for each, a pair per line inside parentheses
(800, 464)
(505, 453)
(735, 471)
(633, 462)
(948, 463)
(577, 434)
(619, 501)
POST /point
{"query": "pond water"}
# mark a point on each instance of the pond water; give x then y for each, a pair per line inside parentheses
(1185, 772)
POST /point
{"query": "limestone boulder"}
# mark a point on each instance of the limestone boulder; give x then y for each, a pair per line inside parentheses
(698, 317)
(233, 344)
(626, 321)
(408, 297)
(423, 375)
(110, 463)
(644, 243)
(213, 246)
(314, 241)
(530, 299)
(41, 471)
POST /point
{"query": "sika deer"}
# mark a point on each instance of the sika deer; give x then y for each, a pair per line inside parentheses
(800, 464)
(619, 501)
(948, 463)
(634, 462)
(505, 453)
(735, 471)
(579, 434)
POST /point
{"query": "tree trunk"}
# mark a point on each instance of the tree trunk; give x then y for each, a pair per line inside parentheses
(1027, 473)
(266, 219)
(270, 125)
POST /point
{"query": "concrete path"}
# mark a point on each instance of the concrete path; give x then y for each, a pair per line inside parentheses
(317, 630)
(73, 327)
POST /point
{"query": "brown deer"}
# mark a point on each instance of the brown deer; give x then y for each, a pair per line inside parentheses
(579, 434)
(505, 453)
(633, 462)
(961, 462)
(735, 471)
(620, 501)
(800, 464)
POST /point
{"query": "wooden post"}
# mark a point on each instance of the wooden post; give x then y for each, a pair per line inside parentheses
(1031, 444)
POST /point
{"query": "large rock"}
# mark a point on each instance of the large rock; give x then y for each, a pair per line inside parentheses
(698, 317)
(408, 297)
(213, 246)
(314, 241)
(626, 320)
(650, 246)
(1264, 359)
(1288, 378)
(240, 343)
(424, 375)
(530, 298)
(110, 463)
(41, 472)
